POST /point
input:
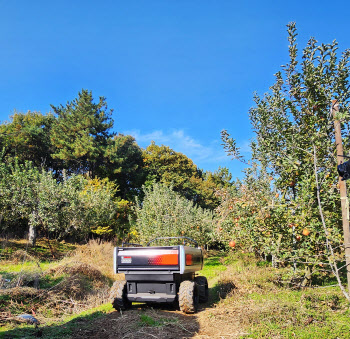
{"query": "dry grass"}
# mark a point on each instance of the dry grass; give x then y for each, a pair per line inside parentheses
(87, 272)
(74, 287)
(79, 281)
(226, 286)
(97, 254)
(257, 308)
(20, 256)
(74, 267)
(23, 292)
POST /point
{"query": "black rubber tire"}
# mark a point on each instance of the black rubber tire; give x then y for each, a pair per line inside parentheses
(203, 291)
(118, 296)
(188, 296)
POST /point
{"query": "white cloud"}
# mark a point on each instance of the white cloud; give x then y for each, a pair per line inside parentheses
(208, 157)
(175, 139)
(245, 147)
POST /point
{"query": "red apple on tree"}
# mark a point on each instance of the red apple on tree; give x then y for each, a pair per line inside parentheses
(232, 243)
(306, 232)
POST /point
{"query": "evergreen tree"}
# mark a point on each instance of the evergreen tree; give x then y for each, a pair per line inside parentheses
(80, 134)
(125, 165)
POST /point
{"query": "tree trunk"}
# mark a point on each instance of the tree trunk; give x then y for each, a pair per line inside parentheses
(307, 278)
(32, 235)
(342, 188)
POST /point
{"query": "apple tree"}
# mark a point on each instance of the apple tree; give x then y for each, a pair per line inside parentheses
(294, 141)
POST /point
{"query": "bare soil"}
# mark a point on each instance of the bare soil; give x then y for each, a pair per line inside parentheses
(208, 322)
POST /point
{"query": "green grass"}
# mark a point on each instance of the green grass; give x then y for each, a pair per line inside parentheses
(28, 271)
(49, 281)
(41, 251)
(146, 320)
(296, 321)
(8, 267)
(213, 266)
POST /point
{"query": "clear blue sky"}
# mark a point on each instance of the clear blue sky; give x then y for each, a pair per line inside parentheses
(176, 72)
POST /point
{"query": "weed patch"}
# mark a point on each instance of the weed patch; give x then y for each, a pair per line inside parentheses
(146, 320)
(246, 301)
(214, 265)
(52, 289)
(40, 252)
(261, 309)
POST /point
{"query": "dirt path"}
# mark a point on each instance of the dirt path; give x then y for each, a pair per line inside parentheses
(142, 321)
(215, 319)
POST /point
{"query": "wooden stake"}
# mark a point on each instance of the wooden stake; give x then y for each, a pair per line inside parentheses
(342, 187)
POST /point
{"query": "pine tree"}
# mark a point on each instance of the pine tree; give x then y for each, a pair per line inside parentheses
(81, 133)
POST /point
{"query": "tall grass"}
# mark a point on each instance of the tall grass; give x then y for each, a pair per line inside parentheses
(262, 308)
(56, 289)
(98, 254)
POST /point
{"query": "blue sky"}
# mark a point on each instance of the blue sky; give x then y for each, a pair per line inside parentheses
(176, 72)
